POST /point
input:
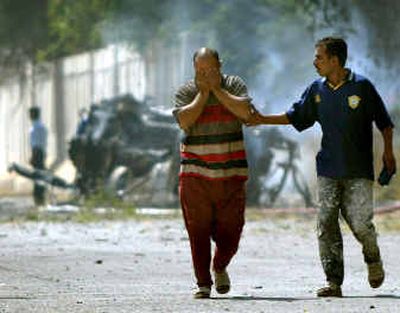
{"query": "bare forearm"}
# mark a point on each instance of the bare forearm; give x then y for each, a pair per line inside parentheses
(388, 157)
(239, 106)
(387, 135)
(275, 119)
(188, 115)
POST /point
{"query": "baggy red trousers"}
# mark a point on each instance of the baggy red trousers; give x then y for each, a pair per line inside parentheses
(212, 210)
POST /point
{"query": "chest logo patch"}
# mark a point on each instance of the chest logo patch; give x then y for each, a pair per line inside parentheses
(354, 101)
(317, 98)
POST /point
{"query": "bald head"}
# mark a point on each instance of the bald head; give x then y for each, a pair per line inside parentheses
(205, 52)
(206, 61)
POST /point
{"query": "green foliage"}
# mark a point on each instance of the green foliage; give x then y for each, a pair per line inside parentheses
(135, 20)
(42, 30)
(104, 199)
(23, 30)
(74, 26)
(98, 207)
(342, 17)
(47, 29)
(240, 30)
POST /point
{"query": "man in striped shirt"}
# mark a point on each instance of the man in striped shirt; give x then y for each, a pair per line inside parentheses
(211, 109)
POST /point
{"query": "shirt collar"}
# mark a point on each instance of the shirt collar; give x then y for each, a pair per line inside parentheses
(349, 77)
(36, 122)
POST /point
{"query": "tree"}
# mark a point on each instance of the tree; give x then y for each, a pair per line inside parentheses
(44, 30)
(23, 31)
(74, 27)
(379, 17)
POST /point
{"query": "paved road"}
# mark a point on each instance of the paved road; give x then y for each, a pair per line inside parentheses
(145, 266)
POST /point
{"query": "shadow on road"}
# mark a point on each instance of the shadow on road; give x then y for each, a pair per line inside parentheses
(287, 299)
(15, 298)
(374, 297)
(251, 298)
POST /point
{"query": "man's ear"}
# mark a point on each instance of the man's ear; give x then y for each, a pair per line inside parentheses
(335, 60)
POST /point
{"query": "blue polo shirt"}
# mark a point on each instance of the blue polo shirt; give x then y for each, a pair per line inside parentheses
(346, 114)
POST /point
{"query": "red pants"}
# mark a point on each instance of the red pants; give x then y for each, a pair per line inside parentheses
(212, 209)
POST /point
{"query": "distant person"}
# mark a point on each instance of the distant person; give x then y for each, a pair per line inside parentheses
(345, 104)
(38, 143)
(210, 109)
(83, 122)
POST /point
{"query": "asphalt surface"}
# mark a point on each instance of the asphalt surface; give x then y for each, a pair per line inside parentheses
(145, 266)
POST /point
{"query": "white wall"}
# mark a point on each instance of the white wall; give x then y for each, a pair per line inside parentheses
(83, 79)
(65, 86)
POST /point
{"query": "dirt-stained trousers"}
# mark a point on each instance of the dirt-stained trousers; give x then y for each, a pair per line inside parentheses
(353, 199)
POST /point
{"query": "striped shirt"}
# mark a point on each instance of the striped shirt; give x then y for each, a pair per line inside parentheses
(213, 147)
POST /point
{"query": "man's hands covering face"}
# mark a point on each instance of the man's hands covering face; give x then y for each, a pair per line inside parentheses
(201, 82)
(214, 79)
(208, 80)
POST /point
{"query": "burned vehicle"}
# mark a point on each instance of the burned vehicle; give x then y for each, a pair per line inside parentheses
(131, 150)
(115, 149)
(120, 143)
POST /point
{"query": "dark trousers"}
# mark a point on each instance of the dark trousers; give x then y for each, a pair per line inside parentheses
(38, 161)
(212, 210)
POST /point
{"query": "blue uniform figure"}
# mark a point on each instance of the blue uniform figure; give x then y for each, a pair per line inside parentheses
(83, 122)
(345, 105)
(38, 143)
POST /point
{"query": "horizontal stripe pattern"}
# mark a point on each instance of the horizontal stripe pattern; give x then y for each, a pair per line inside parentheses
(213, 147)
(208, 118)
(212, 129)
(238, 177)
(194, 170)
(185, 95)
(223, 157)
(212, 139)
(216, 165)
(215, 113)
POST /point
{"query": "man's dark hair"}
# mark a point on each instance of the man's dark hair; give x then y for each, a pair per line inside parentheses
(335, 46)
(204, 51)
(34, 113)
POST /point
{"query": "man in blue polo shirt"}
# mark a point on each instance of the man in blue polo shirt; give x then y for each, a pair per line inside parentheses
(345, 104)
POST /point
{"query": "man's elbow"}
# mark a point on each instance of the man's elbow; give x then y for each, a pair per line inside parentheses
(183, 123)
